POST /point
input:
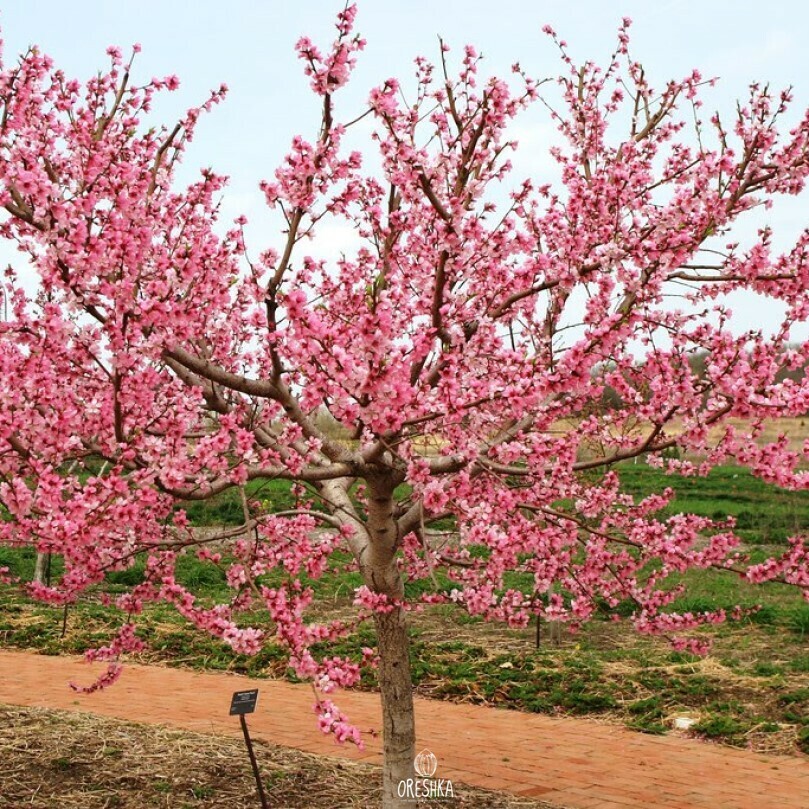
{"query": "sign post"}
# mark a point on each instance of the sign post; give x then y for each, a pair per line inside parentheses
(244, 702)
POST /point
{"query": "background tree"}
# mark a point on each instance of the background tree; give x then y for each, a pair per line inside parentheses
(467, 323)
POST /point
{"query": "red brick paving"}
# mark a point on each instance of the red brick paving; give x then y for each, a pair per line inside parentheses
(570, 762)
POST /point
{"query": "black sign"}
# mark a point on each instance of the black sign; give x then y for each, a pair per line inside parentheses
(244, 702)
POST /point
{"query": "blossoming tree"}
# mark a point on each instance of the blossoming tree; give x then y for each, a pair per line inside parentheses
(475, 315)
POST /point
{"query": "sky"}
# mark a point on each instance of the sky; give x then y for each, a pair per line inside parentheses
(249, 46)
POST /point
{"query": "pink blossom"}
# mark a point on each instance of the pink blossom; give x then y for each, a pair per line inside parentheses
(448, 402)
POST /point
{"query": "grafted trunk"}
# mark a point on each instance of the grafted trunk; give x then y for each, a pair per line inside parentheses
(381, 574)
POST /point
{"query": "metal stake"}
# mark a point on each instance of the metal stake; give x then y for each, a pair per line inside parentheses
(264, 804)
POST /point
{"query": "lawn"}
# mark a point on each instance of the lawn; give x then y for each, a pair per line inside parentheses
(752, 690)
(765, 514)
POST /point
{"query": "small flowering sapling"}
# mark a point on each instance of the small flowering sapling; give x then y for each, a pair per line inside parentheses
(476, 314)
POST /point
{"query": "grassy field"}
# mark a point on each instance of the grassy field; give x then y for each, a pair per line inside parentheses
(752, 690)
(764, 513)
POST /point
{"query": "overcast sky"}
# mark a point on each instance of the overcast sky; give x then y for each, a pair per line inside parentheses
(249, 45)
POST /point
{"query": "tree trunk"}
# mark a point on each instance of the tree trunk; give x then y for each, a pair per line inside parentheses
(381, 573)
(398, 718)
(554, 627)
(39, 567)
(555, 632)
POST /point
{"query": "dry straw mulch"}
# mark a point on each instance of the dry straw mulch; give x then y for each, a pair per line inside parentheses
(64, 760)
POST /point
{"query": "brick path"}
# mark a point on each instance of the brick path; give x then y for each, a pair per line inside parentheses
(570, 762)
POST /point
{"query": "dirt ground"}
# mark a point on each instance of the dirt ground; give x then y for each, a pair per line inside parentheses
(59, 760)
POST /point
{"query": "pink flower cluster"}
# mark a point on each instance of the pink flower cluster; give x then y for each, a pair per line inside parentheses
(450, 401)
(331, 72)
(331, 719)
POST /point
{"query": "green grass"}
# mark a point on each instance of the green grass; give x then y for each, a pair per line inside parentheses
(608, 669)
(765, 514)
(226, 508)
(760, 675)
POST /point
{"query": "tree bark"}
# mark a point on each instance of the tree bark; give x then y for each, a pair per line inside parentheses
(381, 573)
(398, 718)
(39, 567)
(554, 627)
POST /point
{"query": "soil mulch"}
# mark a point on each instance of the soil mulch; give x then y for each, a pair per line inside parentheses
(65, 760)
